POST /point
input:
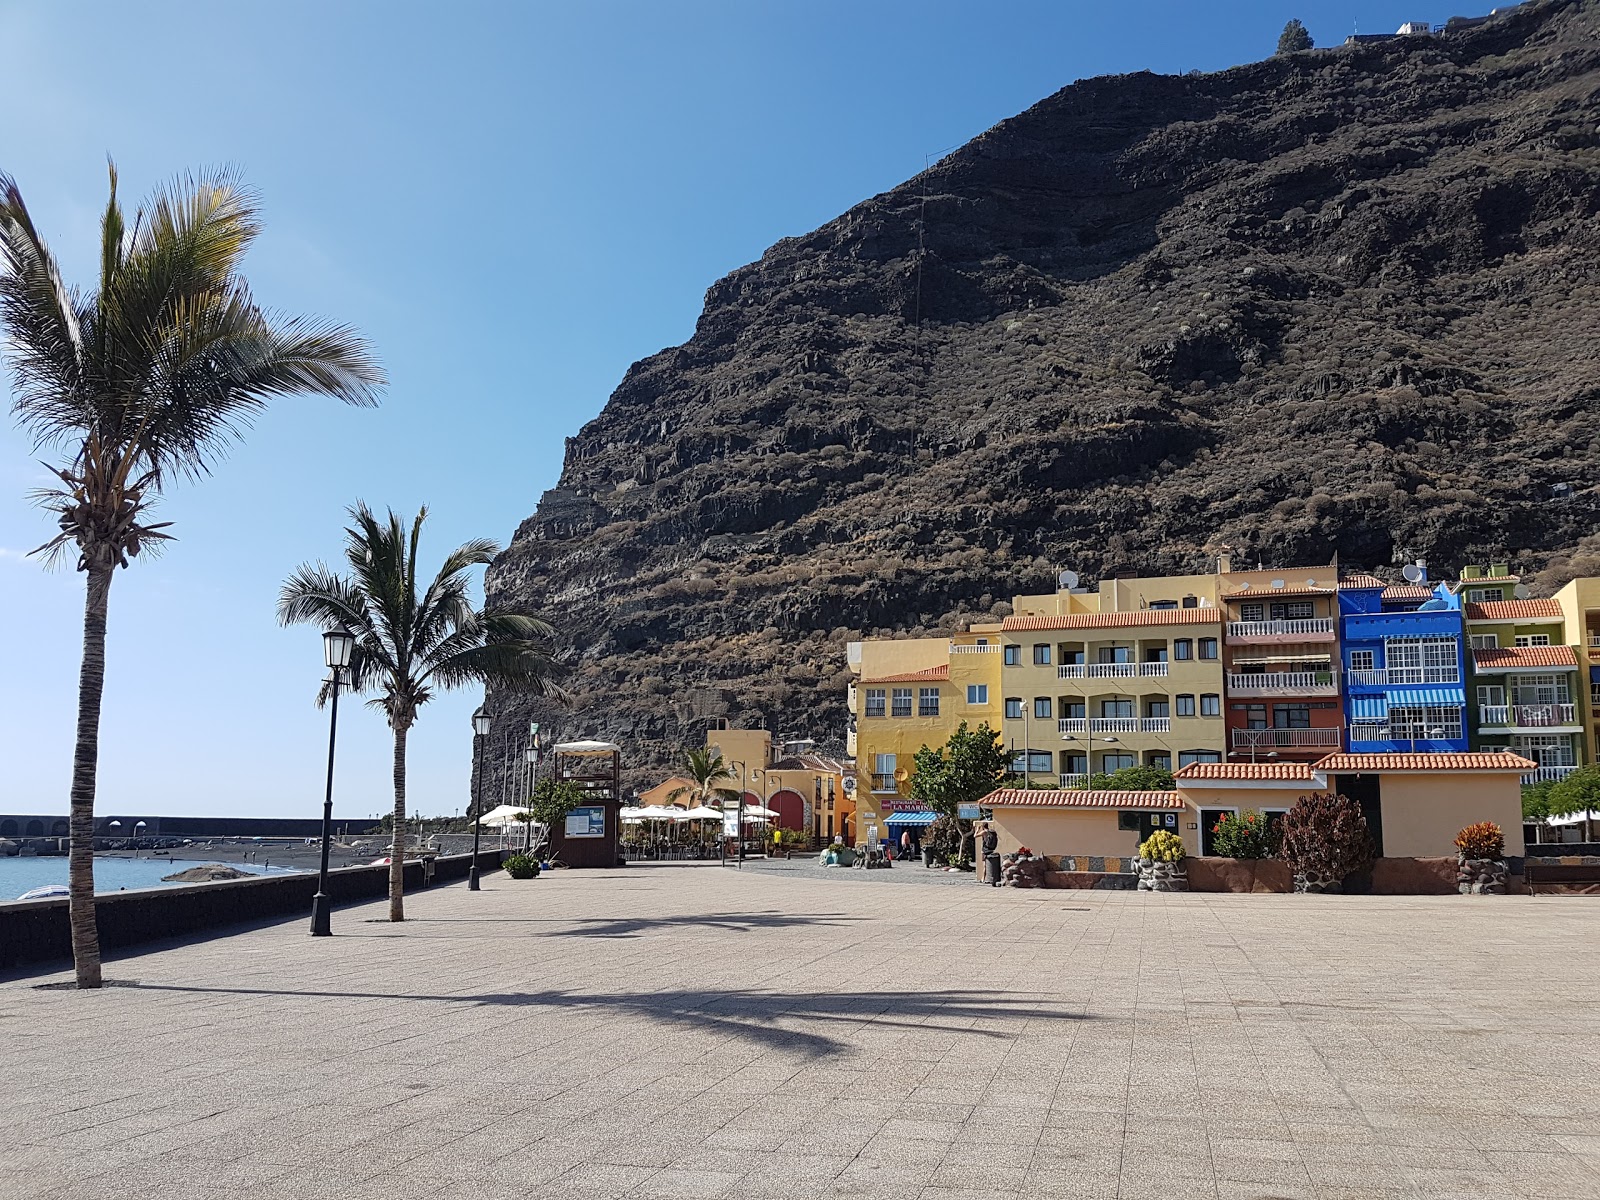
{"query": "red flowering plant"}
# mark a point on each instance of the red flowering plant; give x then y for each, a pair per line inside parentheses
(1483, 840)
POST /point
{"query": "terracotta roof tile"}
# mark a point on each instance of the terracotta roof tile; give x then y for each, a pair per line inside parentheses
(939, 672)
(1408, 591)
(1357, 763)
(1160, 616)
(1513, 610)
(1270, 592)
(1360, 582)
(1078, 798)
(1512, 657)
(1293, 771)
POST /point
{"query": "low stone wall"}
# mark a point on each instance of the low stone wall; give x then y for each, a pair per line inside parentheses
(1238, 875)
(1088, 880)
(1389, 876)
(1414, 876)
(37, 930)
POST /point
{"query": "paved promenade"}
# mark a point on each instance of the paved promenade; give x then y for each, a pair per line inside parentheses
(692, 1031)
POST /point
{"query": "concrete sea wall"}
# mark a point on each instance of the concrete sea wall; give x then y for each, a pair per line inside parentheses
(36, 931)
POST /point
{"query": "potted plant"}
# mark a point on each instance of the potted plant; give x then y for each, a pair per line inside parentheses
(1325, 841)
(521, 866)
(1481, 860)
(1161, 866)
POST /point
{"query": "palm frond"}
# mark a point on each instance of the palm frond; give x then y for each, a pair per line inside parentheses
(42, 319)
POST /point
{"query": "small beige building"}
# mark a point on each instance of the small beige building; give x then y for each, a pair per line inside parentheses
(1104, 824)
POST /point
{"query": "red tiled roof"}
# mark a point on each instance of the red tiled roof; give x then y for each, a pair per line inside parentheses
(1078, 798)
(1525, 656)
(1293, 771)
(1360, 582)
(1408, 591)
(1256, 593)
(1513, 610)
(1158, 616)
(939, 672)
(1358, 763)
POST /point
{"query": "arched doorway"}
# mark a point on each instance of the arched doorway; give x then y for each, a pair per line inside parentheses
(35, 828)
(8, 828)
(790, 806)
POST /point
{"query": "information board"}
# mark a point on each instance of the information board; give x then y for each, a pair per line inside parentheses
(587, 822)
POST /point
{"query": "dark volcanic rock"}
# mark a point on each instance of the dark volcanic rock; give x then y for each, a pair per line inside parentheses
(1338, 301)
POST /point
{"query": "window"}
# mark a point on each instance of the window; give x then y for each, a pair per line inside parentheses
(1041, 707)
(1191, 601)
(1210, 705)
(1423, 723)
(1116, 654)
(1421, 660)
(1291, 716)
(1013, 708)
(1071, 658)
(1116, 708)
(1255, 716)
(1293, 610)
(1157, 708)
(875, 698)
(977, 693)
(883, 766)
(1183, 648)
(1032, 761)
(1074, 762)
(1479, 595)
(1532, 639)
(1073, 708)
(928, 702)
(1185, 706)
(1185, 757)
(1362, 660)
(1115, 762)
(1486, 641)
(1208, 647)
(1013, 655)
(1155, 654)
(1163, 605)
(1539, 689)
(1041, 655)
(1252, 612)
(900, 702)
(1491, 695)
(1164, 761)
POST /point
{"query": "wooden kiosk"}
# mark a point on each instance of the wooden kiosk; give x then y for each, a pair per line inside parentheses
(591, 836)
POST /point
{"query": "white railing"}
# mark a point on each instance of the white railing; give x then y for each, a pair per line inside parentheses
(1155, 724)
(1280, 681)
(1074, 781)
(884, 783)
(1369, 733)
(1111, 670)
(1594, 642)
(1400, 675)
(1072, 725)
(994, 649)
(1412, 735)
(1269, 739)
(1113, 724)
(1527, 716)
(1308, 627)
(1548, 774)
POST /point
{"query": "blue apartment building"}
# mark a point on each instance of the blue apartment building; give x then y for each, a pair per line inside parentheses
(1404, 663)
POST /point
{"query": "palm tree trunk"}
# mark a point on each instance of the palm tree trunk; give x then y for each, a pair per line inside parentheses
(85, 764)
(397, 849)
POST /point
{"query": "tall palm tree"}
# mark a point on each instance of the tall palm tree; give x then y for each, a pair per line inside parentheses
(708, 772)
(143, 379)
(409, 645)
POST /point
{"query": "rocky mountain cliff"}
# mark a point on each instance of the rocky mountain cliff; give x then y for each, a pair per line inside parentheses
(1341, 301)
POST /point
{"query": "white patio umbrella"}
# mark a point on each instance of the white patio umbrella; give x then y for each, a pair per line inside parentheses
(505, 814)
(655, 812)
(703, 814)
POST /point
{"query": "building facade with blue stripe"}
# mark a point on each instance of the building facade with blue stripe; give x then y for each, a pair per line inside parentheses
(1404, 660)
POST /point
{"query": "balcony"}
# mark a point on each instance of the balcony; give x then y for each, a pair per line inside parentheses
(1149, 670)
(1548, 774)
(1114, 725)
(1526, 716)
(1285, 739)
(884, 783)
(1074, 781)
(1284, 683)
(1395, 676)
(1309, 629)
(1414, 737)
(850, 743)
(975, 649)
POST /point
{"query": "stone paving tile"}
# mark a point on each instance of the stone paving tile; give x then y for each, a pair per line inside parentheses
(781, 1033)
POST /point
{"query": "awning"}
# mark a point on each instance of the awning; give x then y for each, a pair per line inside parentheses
(1239, 661)
(1369, 708)
(1445, 697)
(911, 818)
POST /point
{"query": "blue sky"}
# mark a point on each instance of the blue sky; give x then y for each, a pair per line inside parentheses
(513, 201)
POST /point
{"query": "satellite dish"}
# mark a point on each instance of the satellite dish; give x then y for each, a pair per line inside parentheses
(1068, 579)
(1413, 573)
(901, 774)
(1520, 591)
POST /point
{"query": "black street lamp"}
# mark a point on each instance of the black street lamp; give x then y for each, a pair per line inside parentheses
(480, 729)
(337, 645)
(532, 755)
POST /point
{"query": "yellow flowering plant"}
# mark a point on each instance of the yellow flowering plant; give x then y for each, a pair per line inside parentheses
(1162, 846)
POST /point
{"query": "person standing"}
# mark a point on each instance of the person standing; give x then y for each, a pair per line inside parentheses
(991, 851)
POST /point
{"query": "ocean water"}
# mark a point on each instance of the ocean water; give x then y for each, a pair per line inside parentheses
(18, 875)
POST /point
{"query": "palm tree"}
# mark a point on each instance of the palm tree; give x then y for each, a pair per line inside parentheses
(141, 380)
(408, 646)
(707, 770)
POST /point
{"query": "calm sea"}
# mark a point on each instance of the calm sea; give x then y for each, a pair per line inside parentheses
(18, 875)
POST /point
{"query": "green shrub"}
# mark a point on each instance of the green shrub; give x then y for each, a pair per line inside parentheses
(521, 866)
(1162, 846)
(1248, 835)
(1326, 835)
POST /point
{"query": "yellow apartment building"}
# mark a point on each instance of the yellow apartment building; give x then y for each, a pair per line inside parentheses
(806, 789)
(1580, 612)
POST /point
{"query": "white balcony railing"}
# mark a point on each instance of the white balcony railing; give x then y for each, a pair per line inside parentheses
(1413, 736)
(1149, 670)
(1284, 681)
(1155, 724)
(1594, 642)
(986, 649)
(1548, 774)
(1074, 781)
(1272, 739)
(1306, 627)
(1527, 716)
(1113, 724)
(1403, 675)
(1368, 733)
(1072, 725)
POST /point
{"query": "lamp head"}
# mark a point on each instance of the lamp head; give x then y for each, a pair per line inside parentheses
(338, 644)
(482, 723)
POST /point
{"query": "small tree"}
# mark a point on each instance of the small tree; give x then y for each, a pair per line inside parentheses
(1133, 779)
(1295, 36)
(1248, 835)
(1579, 792)
(969, 766)
(552, 800)
(1325, 837)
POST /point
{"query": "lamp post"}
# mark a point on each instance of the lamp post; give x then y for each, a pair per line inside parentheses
(481, 724)
(532, 755)
(337, 645)
(740, 811)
